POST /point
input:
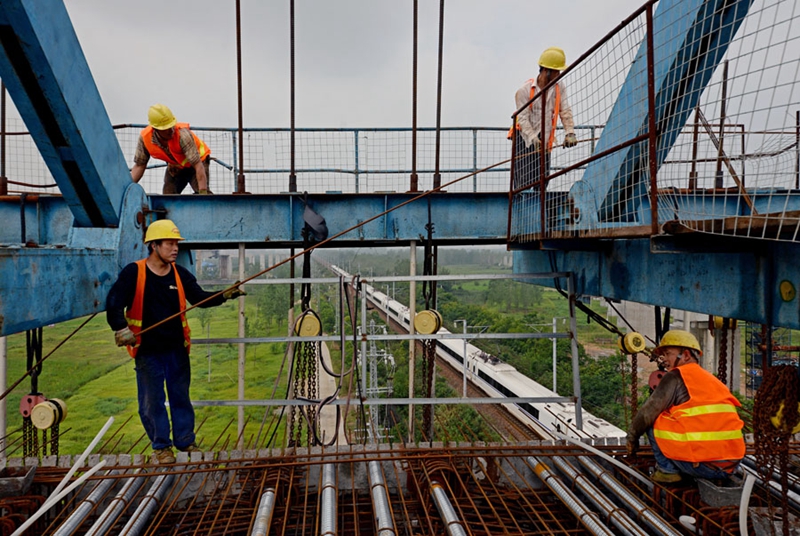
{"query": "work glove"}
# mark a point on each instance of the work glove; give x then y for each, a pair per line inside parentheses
(570, 140)
(125, 337)
(234, 292)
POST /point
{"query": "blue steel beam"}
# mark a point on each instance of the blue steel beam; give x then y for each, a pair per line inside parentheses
(612, 187)
(82, 263)
(740, 279)
(266, 221)
(45, 71)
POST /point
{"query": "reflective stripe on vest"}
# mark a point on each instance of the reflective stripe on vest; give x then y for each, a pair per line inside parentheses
(556, 110)
(134, 313)
(175, 155)
(705, 428)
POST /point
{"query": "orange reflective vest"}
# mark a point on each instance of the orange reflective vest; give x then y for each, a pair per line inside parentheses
(706, 428)
(134, 313)
(175, 155)
(556, 109)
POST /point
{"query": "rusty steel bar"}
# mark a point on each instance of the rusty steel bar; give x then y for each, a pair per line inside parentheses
(651, 123)
(437, 176)
(414, 179)
(240, 182)
(292, 156)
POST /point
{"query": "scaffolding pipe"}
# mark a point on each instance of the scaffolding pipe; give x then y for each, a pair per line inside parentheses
(652, 519)
(587, 517)
(117, 506)
(618, 517)
(380, 501)
(141, 516)
(446, 510)
(78, 516)
(327, 526)
(264, 515)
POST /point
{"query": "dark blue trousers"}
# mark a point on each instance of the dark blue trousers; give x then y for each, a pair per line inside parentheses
(701, 470)
(154, 370)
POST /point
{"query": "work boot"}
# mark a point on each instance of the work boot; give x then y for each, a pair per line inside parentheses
(665, 478)
(192, 447)
(164, 456)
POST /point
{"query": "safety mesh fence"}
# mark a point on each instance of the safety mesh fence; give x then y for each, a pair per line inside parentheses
(726, 103)
(326, 160)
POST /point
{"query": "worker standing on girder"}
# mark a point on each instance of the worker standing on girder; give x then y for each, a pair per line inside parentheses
(691, 418)
(147, 292)
(186, 155)
(529, 136)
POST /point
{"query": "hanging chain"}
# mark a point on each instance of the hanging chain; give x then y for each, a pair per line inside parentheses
(722, 368)
(54, 433)
(634, 384)
(428, 362)
(780, 388)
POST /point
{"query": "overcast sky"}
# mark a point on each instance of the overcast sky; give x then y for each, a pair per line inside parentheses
(353, 57)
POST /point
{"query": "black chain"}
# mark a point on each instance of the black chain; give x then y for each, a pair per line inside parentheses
(722, 369)
(428, 363)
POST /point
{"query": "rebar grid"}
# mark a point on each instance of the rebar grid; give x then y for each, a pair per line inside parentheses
(492, 489)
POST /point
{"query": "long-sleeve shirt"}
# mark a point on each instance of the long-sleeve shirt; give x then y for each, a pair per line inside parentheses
(671, 391)
(160, 302)
(530, 119)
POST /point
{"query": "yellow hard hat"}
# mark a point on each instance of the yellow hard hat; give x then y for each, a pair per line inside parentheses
(553, 58)
(162, 230)
(678, 337)
(160, 117)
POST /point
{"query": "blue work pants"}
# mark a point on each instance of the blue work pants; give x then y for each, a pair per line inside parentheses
(699, 470)
(154, 369)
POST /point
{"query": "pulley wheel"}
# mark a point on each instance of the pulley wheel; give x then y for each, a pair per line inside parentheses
(428, 322)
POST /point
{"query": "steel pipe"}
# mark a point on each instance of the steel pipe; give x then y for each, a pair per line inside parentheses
(327, 525)
(380, 501)
(78, 516)
(589, 519)
(264, 515)
(647, 515)
(618, 517)
(141, 516)
(446, 510)
(117, 505)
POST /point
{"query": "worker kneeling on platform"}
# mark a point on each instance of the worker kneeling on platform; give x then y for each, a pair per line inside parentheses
(690, 419)
(145, 309)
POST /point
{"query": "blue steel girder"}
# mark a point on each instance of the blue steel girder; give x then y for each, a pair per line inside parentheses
(276, 220)
(83, 263)
(613, 186)
(733, 278)
(45, 71)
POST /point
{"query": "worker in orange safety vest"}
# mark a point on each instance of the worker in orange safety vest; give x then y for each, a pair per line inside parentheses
(186, 155)
(690, 418)
(145, 295)
(528, 135)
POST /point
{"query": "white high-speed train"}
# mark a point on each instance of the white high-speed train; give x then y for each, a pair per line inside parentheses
(500, 380)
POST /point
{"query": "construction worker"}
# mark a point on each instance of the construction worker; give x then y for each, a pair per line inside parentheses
(529, 133)
(690, 418)
(147, 292)
(186, 155)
